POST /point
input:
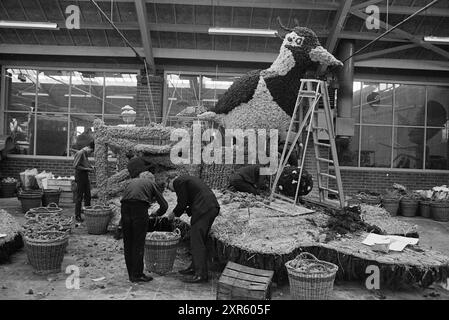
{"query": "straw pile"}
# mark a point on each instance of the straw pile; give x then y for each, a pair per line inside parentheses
(13, 240)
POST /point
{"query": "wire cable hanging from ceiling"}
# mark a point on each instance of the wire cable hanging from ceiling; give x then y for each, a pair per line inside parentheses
(143, 59)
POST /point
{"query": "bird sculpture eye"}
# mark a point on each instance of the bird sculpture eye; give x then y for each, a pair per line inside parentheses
(289, 39)
(299, 41)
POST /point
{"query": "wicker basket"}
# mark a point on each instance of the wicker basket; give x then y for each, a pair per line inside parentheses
(30, 199)
(409, 207)
(440, 210)
(306, 285)
(160, 254)
(8, 190)
(46, 255)
(51, 196)
(97, 218)
(424, 208)
(391, 205)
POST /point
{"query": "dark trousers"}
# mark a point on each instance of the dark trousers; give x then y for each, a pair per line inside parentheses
(134, 224)
(198, 238)
(82, 190)
(237, 183)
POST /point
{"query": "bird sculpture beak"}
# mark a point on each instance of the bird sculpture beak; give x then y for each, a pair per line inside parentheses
(324, 57)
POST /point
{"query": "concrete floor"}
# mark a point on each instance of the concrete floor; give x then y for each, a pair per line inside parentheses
(102, 256)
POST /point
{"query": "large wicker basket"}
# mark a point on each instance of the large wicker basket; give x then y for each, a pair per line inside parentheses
(46, 256)
(51, 196)
(306, 284)
(97, 218)
(160, 254)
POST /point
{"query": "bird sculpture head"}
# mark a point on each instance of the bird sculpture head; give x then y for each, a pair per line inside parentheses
(305, 47)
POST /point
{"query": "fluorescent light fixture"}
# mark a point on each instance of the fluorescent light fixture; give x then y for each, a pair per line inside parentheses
(243, 32)
(120, 97)
(436, 39)
(28, 25)
(172, 99)
(210, 100)
(74, 95)
(33, 94)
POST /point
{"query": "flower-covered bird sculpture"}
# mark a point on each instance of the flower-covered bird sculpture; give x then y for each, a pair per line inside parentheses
(265, 99)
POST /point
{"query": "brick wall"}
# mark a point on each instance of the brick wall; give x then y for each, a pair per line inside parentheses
(378, 181)
(144, 95)
(11, 167)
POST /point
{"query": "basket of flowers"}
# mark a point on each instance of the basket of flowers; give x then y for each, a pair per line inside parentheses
(391, 200)
(310, 278)
(439, 206)
(45, 250)
(409, 204)
(160, 250)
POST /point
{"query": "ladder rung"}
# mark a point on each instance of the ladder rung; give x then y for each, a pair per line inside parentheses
(320, 128)
(328, 175)
(325, 160)
(329, 190)
(327, 145)
(307, 93)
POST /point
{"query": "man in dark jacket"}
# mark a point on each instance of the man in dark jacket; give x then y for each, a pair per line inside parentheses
(136, 199)
(82, 169)
(199, 202)
(247, 179)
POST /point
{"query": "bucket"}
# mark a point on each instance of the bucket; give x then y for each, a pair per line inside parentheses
(409, 207)
(51, 196)
(424, 209)
(30, 199)
(391, 205)
(440, 211)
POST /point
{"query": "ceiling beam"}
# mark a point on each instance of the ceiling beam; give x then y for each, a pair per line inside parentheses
(406, 35)
(142, 19)
(436, 12)
(434, 65)
(378, 53)
(215, 55)
(338, 25)
(280, 4)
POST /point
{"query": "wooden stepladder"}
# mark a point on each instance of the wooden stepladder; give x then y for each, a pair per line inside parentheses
(313, 90)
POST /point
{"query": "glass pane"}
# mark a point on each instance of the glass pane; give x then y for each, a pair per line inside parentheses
(437, 150)
(409, 105)
(87, 92)
(20, 89)
(376, 147)
(53, 91)
(377, 103)
(437, 106)
(121, 90)
(113, 120)
(357, 91)
(51, 135)
(20, 127)
(348, 149)
(213, 88)
(81, 131)
(182, 91)
(408, 148)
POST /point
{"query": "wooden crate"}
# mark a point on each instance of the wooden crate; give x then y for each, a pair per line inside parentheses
(63, 184)
(239, 282)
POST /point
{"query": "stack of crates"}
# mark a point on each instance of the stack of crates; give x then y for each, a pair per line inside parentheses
(66, 185)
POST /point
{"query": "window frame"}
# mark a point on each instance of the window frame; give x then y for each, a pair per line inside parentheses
(39, 69)
(393, 126)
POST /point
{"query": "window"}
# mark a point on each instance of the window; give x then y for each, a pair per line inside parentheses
(398, 126)
(194, 90)
(50, 112)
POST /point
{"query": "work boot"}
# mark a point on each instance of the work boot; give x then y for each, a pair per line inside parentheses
(142, 278)
(78, 218)
(196, 279)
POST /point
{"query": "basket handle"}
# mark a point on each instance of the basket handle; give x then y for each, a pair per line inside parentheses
(98, 206)
(52, 205)
(305, 255)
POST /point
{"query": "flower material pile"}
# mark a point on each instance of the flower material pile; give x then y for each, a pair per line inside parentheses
(162, 236)
(267, 239)
(47, 222)
(13, 240)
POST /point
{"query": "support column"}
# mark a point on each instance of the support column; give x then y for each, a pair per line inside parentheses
(345, 75)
